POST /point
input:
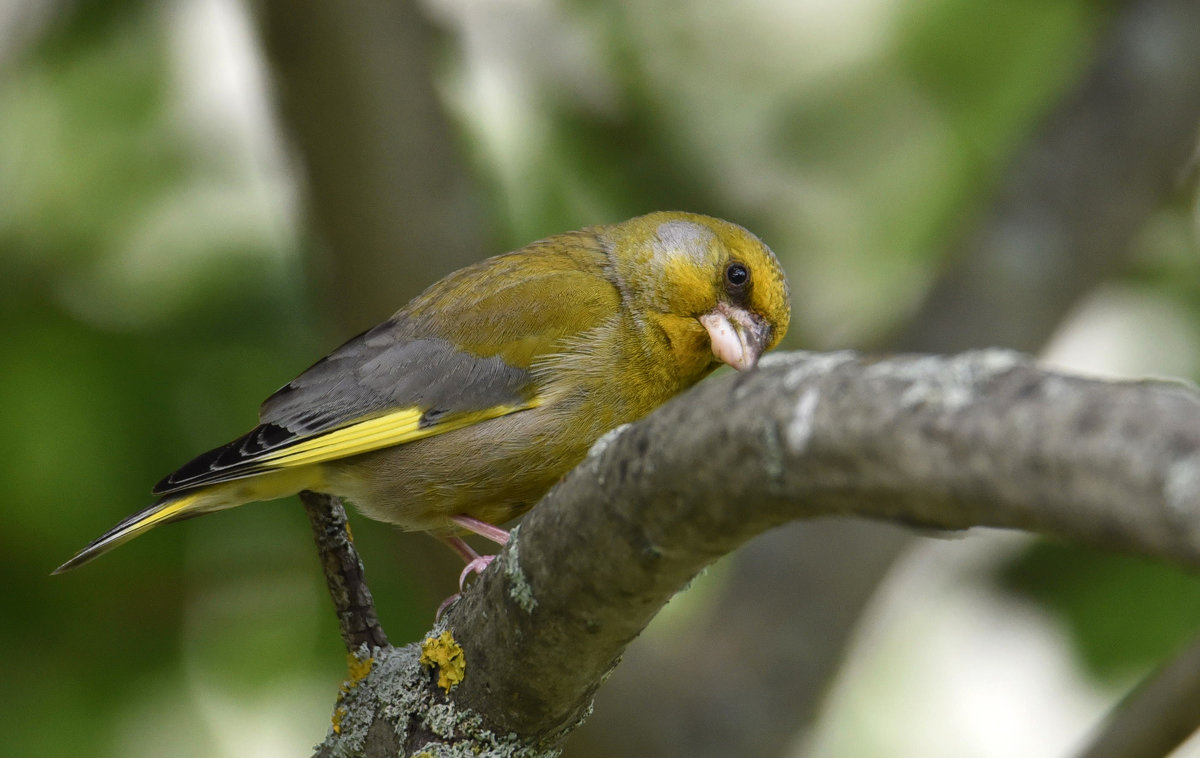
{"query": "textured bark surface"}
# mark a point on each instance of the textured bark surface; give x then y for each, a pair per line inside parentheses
(982, 439)
(344, 574)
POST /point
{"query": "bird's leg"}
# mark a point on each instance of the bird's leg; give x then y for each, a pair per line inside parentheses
(476, 563)
(483, 529)
(468, 554)
(461, 548)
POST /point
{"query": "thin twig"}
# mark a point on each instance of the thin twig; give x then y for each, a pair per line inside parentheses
(343, 572)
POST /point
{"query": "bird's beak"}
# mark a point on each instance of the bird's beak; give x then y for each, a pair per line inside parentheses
(738, 336)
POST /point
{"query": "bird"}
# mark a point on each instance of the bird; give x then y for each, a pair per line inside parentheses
(457, 413)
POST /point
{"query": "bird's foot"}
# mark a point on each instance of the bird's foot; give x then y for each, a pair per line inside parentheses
(445, 604)
(475, 566)
(476, 563)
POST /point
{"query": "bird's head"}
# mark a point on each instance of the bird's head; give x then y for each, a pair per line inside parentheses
(706, 280)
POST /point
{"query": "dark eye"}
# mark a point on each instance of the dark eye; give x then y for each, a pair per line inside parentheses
(736, 275)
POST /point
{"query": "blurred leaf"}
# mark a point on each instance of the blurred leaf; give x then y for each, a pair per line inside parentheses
(994, 65)
(1125, 613)
(84, 144)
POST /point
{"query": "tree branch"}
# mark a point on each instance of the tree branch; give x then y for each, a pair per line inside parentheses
(982, 439)
(343, 573)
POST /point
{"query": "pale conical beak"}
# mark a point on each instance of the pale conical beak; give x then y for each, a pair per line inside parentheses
(738, 336)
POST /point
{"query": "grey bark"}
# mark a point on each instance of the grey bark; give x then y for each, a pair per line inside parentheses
(344, 573)
(981, 439)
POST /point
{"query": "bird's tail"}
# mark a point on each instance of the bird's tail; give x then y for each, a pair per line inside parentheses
(183, 505)
(173, 508)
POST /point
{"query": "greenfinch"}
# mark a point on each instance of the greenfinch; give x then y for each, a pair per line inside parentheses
(460, 411)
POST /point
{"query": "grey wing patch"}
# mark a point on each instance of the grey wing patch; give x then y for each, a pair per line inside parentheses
(375, 372)
(379, 371)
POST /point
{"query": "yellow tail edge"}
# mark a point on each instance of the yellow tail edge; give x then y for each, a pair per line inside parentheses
(214, 497)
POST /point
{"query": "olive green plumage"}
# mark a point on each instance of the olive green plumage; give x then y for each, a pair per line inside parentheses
(474, 398)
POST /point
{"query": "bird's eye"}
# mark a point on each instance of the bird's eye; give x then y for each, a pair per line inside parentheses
(736, 275)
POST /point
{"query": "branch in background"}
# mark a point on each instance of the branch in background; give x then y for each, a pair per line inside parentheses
(1157, 716)
(343, 571)
(1067, 211)
(982, 439)
(1062, 221)
(389, 196)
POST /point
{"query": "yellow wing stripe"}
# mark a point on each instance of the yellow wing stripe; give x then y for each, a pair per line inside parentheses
(172, 508)
(358, 437)
(390, 429)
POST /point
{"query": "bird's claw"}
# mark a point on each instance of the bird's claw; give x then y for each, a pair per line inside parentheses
(445, 604)
(475, 566)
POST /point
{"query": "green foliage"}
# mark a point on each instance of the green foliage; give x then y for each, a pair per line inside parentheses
(123, 356)
(85, 139)
(1125, 614)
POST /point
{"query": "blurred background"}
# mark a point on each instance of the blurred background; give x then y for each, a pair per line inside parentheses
(198, 198)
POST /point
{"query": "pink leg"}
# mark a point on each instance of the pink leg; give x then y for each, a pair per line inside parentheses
(446, 604)
(461, 548)
(482, 528)
(476, 563)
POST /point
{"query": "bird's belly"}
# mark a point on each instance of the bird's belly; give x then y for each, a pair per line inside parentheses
(493, 471)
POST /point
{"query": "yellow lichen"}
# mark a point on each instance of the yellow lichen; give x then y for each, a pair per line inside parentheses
(358, 670)
(444, 654)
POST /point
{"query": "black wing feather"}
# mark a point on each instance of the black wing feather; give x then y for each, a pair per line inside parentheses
(373, 373)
